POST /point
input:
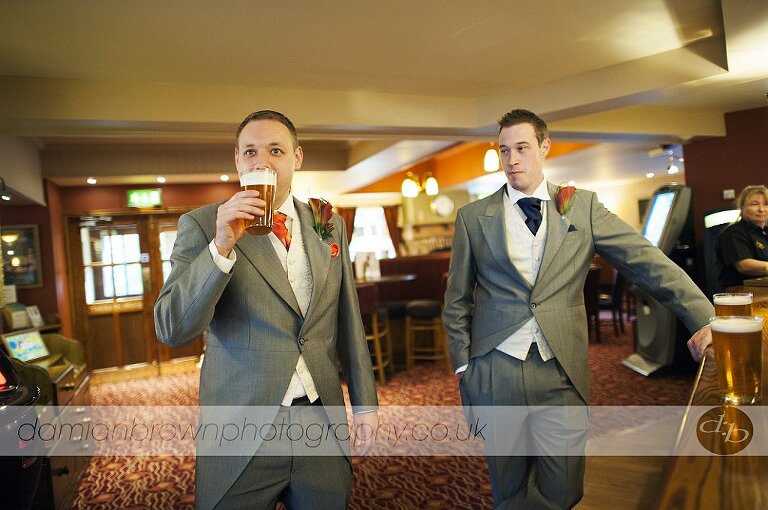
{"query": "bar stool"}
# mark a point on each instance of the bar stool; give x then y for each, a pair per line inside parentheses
(376, 324)
(424, 316)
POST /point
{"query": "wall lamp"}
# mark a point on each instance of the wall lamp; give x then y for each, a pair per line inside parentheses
(411, 186)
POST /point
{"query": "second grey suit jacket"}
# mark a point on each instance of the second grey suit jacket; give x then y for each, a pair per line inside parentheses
(256, 331)
(487, 299)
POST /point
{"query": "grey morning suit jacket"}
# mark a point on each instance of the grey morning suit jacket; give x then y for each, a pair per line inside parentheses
(503, 300)
(256, 331)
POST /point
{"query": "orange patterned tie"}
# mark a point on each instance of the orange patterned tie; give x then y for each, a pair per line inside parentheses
(280, 230)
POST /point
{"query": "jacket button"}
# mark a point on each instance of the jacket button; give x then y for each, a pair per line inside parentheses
(302, 341)
(533, 305)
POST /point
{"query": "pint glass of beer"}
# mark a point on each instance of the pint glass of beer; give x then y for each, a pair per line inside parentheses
(732, 304)
(739, 357)
(264, 181)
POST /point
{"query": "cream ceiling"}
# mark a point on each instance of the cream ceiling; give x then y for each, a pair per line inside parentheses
(372, 86)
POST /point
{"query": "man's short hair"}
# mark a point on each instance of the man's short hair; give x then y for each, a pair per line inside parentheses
(268, 115)
(521, 116)
(749, 191)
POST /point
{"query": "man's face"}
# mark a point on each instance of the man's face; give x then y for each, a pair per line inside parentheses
(522, 157)
(268, 143)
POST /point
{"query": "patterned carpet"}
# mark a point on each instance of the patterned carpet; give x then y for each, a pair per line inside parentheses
(380, 482)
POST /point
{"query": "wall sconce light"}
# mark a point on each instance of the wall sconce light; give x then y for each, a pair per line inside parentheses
(411, 186)
(491, 161)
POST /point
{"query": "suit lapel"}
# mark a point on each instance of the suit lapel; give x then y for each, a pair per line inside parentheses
(492, 226)
(318, 253)
(557, 228)
(260, 253)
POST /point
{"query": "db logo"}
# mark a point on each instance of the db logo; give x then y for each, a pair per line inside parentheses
(724, 430)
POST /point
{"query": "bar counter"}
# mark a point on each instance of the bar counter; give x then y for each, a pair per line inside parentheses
(735, 481)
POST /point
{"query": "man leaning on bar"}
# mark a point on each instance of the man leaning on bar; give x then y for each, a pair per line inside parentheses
(515, 318)
(281, 312)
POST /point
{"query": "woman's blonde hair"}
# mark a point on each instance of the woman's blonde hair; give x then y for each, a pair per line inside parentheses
(749, 191)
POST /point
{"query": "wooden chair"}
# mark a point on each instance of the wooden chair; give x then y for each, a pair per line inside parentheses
(376, 323)
(615, 302)
(592, 301)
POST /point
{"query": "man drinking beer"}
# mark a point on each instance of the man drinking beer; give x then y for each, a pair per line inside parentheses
(281, 312)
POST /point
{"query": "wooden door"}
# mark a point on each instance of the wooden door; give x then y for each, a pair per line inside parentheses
(162, 229)
(117, 267)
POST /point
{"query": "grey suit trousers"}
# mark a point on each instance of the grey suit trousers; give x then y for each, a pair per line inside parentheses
(529, 406)
(293, 469)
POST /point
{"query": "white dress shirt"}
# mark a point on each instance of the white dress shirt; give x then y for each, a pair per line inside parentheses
(296, 267)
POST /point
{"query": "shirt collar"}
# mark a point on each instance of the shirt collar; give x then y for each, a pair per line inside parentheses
(288, 207)
(541, 192)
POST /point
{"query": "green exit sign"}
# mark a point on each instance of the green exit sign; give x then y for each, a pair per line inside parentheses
(145, 197)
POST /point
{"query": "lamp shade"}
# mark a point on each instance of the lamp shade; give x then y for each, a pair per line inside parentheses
(491, 160)
(430, 187)
(409, 188)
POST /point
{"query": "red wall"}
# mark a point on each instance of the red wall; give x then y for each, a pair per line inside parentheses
(93, 198)
(732, 162)
(45, 296)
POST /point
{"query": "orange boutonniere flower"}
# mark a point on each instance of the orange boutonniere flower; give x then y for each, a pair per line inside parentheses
(322, 211)
(564, 198)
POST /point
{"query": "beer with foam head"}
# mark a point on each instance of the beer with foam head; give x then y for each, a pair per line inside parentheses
(732, 304)
(263, 180)
(739, 356)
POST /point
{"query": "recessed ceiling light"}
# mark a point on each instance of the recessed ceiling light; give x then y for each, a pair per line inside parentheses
(161, 179)
(650, 175)
(5, 197)
(91, 180)
(224, 178)
(672, 170)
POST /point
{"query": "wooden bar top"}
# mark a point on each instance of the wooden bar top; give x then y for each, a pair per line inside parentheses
(717, 481)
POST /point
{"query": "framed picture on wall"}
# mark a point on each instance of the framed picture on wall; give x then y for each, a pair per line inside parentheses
(21, 256)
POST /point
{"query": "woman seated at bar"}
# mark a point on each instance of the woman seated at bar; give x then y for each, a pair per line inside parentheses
(742, 248)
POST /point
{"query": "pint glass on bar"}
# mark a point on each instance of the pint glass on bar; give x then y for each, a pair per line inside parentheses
(264, 181)
(739, 356)
(733, 304)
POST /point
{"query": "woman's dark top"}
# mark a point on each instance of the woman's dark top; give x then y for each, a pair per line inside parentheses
(742, 240)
